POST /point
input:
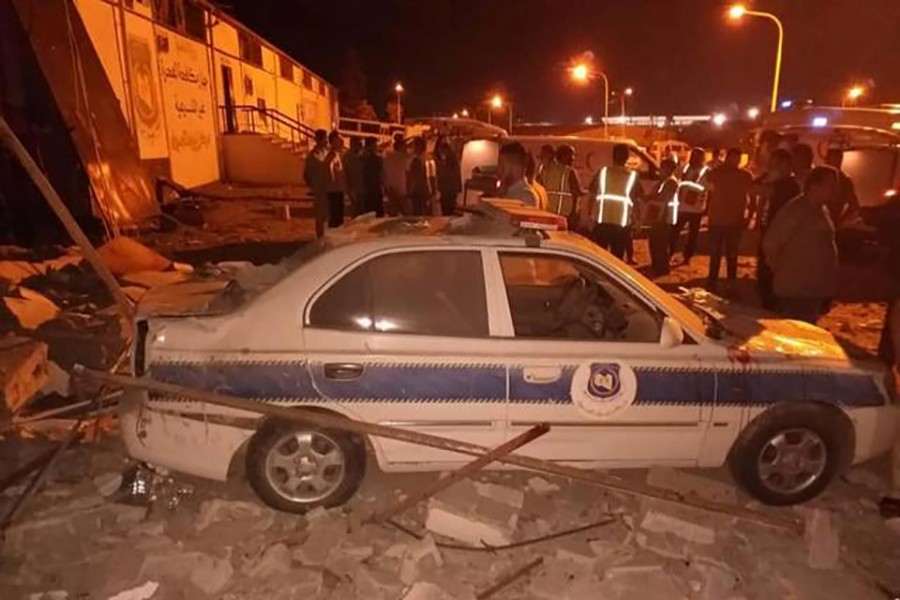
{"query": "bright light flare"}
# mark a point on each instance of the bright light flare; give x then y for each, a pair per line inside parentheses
(497, 101)
(719, 119)
(629, 91)
(737, 11)
(465, 112)
(753, 113)
(820, 122)
(856, 92)
(581, 72)
(589, 120)
(398, 88)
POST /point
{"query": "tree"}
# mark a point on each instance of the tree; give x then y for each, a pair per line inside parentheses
(353, 96)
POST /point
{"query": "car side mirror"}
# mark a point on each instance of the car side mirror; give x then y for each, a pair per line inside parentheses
(672, 334)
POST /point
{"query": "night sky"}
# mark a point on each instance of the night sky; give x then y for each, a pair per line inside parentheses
(680, 56)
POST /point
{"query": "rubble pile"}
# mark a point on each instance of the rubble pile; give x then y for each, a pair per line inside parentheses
(80, 538)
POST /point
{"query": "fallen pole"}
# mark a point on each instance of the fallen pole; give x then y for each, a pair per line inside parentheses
(466, 470)
(509, 579)
(11, 141)
(322, 419)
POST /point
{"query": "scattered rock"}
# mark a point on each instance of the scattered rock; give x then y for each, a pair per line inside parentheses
(561, 579)
(539, 485)
(893, 525)
(327, 530)
(143, 592)
(57, 381)
(123, 255)
(108, 484)
(208, 573)
(688, 484)
(822, 540)
(475, 513)
(218, 511)
(661, 523)
(52, 595)
(863, 476)
(276, 560)
(32, 309)
(423, 590)
(625, 583)
(23, 370)
(415, 554)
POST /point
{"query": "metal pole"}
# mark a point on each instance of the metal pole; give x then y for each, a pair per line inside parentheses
(333, 421)
(605, 105)
(778, 52)
(399, 109)
(510, 118)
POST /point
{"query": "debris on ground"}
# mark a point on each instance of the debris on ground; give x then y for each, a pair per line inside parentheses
(475, 513)
(23, 370)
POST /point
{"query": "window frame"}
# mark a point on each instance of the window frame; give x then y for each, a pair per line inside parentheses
(338, 275)
(507, 326)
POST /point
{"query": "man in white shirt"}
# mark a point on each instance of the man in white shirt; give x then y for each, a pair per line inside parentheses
(396, 164)
(511, 166)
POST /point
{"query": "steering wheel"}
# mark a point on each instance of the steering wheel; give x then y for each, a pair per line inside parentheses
(578, 306)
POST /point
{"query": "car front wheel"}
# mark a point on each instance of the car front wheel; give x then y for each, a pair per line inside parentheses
(790, 453)
(295, 467)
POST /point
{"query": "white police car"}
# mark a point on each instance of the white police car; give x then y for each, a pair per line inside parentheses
(433, 326)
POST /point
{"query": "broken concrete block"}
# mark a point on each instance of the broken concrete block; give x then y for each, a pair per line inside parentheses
(424, 590)
(108, 484)
(154, 279)
(58, 381)
(327, 531)
(716, 582)
(51, 595)
(539, 485)
(376, 583)
(23, 370)
(893, 525)
(218, 511)
(692, 532)
(416, 553)
(142, 592)
(688, 484)
(124, 255)
(561, 579)
(864, 476)
(208, 573)
(276, 560)
(475, 513)
(822, 540)
(31, 309)
(626, 582)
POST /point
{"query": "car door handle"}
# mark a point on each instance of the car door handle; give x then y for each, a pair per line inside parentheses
(542, 375)
(343, 371)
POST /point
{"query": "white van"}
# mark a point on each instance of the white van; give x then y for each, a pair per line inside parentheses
(479, 160)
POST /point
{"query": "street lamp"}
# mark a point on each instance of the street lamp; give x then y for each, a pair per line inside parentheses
(739, 11)
(498, 102)
(626, 92)
(399, 90)
(465, 113)
(854, 94)
(581, 73)
(719, 119)
(753, 113)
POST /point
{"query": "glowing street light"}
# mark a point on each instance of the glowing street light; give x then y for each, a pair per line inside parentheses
(398, 89)
(589, 120)
(738, 12)
(581, 73)
(626, 92)
(719, 119)
(498, 102)
(455, 115)
(854, 94)
(753, 113)
(465, 113)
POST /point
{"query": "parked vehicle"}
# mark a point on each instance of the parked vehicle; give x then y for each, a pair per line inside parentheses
(475, 329)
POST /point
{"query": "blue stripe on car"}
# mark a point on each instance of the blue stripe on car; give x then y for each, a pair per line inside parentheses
(300, 381)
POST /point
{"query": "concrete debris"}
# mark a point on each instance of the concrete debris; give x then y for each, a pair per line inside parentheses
(539, 485)
(327, 531)
(688, 484)
(218, 510)
(864, 476)
(108, 484)
(23, 370)
(276, 560)
(423, 590)
(58, 381)
(376, 583)
(561, 579)
(475, 513)
(823, 544)
(52, 595)
(154, 279)
(16, 271)
(124, 255)
(715, 582)
(644, 582)
(208, 573)
(415, 554)
(143, 592)
(663, 523)
(31, 309)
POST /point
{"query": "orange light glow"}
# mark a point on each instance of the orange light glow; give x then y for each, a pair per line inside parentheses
(580, 72)
(737, 11)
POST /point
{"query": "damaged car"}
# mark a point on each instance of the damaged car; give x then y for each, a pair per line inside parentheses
(477, 328)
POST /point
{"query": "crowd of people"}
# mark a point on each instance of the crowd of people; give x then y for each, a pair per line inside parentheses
(402, 182)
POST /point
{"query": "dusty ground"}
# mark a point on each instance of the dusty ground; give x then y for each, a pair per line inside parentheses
(215, 540)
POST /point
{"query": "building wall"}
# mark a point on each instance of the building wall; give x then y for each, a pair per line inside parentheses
(170, 86)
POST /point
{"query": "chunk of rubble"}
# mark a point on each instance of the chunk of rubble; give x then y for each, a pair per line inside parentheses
(689, 484)
(476, 513)
(660, 522)
(327, 531)
(424, 590)
(822, 542)
(650, 581)
(123, 255)
(541, 486)
(218, 510)
(415, 554)
(275, 560)
(23, 370)
(30, 308)
(142, 592)
(51, 595)
(563, 579)
(208, 573)
(864, 476)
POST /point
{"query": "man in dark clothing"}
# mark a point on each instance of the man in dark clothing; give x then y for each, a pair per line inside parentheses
(661, 210)
(729, 189)
(846, 205)
(776, 188)
(419, 180)
(372, 178)
(337, 179)
(802, 159)
(449, 177)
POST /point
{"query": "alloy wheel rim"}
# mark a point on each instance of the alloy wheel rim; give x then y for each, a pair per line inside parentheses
(305, 466)
(792, 460)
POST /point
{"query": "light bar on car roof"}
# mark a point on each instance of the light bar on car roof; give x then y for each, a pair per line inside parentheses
(526, 217)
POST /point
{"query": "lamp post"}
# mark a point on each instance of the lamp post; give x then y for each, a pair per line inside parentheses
(582, 74)
(398, 89)
(626, 92)
(853, 95)
(465, 113)
(498, 102)
(737, 12)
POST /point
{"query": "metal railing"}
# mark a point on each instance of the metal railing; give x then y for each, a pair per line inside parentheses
(255, 119)
(364, 128)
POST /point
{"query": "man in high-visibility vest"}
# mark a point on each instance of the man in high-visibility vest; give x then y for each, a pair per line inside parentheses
(616, 191)
(661, 213)
(691, 204)
(562, 185)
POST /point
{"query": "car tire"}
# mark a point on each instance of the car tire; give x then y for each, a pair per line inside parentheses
(792, 452)
(294, 467)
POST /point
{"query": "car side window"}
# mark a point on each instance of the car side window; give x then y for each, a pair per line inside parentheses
(422, 292)
(557, 297)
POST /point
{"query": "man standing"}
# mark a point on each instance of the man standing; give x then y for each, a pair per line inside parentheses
(419, 179)
(562, 185)
(802, 159)
(449, 177)
(337, 179)
(511, 165)
(373, 178)
(661, 211)
(691, 200)
(396, 164)
(546, 158)
(801, 250)
(776, 188)
(616, 192)
(316, 176)
(353, 169)
(729, 189)
(846, 204)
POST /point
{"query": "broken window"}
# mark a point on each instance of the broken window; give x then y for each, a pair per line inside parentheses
(183, 16)
(557, 297)
(307, 80)
(424, 292)
(285, 67)
(251, 49)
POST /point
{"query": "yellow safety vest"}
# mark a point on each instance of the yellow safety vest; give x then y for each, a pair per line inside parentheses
(556, 181)
(691, 190)
(614, 195)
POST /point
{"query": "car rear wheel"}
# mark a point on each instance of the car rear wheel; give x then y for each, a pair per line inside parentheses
(790, 453)
(295, 467)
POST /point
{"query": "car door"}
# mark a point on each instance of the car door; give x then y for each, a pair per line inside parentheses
(398, 339)
(585, 355)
